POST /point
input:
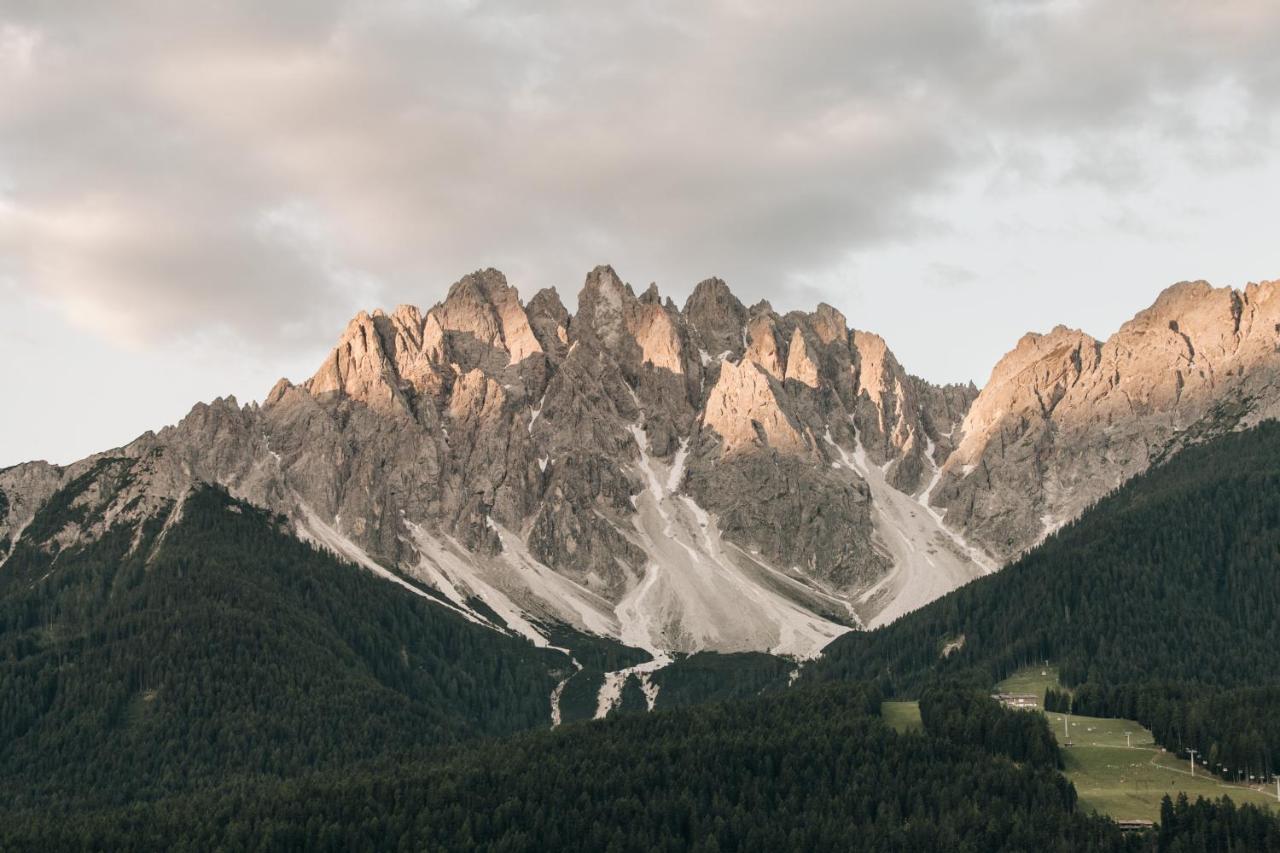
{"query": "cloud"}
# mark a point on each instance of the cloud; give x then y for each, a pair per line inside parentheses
(265, 169)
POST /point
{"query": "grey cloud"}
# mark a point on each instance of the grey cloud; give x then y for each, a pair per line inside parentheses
(170, 168)
(950, 275)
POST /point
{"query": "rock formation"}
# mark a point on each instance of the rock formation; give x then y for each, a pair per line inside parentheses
(1065, 418)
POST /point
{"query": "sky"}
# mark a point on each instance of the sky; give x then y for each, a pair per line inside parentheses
(195, 198)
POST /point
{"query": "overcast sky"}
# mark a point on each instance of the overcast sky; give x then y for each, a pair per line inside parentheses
(195, 197)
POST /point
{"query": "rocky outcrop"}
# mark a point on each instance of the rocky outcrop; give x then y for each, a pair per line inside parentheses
(1065, 418)
(483, 308)
(23, 489)
(746, 409)
(764, 348)
(716, 319)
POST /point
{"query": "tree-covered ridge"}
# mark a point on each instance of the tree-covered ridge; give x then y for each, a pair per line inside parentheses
(146, 663)
(970, 716)
(1214, 826)
(812, 769)
(220, 685)
(1174, 576)
(708, 676)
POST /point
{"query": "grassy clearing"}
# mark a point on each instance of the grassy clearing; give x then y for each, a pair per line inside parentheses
(1123, 778)
(1033, 679)
(902, 716)
(1118, 777)
(1127, 783)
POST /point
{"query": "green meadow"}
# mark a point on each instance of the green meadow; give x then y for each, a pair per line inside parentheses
(902, 716)
(1118, 776)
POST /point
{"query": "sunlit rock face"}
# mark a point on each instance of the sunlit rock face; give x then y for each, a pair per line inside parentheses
(1065, 418)
(713, 476)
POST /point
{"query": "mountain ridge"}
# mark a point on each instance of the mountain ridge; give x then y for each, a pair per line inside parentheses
(706, 477)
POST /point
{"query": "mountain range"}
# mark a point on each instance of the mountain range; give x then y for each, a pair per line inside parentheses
(712, 477)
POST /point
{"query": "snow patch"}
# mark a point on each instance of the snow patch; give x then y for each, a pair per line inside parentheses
(537, 412)
(927, 491)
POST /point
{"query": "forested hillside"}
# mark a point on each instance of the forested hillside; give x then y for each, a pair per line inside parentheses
(152, 663)
(809, 769)
(215, 683)
(803, 770)
(1159, 604)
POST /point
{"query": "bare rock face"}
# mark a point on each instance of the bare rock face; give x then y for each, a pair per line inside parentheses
(485, 308)
(763, 346)
(655, 331)
(800, 365)
(747, 411)
(550, 323)
(886, 416)
(23, 489)
(715, 318)
(804, 518)
(1064, 418)
(360, 368)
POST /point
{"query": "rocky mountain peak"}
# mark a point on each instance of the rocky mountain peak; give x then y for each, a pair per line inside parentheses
(657, 331)
(763, 346)
(359, 368)
(488, 309)
(603, 305)
(408, 321)
(879, 370)
(716, 318)
(829, 324)
(277, 392)
(549, 321)
(1036, 374)
(1064, 417)
(493, 430)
